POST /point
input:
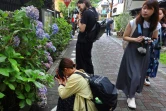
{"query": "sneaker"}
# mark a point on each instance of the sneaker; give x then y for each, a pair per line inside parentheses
(131, 103)
(147, 82)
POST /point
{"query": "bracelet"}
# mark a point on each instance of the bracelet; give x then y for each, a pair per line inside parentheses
(61, 84)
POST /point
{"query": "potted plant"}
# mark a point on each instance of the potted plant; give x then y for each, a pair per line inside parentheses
(121, 22)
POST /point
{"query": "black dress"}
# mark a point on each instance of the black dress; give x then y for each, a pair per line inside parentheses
(133, 68)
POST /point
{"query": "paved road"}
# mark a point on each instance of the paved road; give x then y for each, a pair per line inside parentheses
(107, 53)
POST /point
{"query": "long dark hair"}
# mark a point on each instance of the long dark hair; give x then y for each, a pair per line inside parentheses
(87, 3)
(154, 17)
(65, 63)
(163, 20)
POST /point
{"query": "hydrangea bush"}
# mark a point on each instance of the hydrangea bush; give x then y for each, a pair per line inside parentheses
(24, 55)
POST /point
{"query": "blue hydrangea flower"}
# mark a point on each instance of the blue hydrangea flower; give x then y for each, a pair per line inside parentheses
(39, 25)
(55, 29)
(46, 35)
(53, 48)
(16, 40)
(32, 12)
(47, 53)
(40, 33)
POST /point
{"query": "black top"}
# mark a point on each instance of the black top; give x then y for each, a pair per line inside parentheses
(88, 18)
(109, 22)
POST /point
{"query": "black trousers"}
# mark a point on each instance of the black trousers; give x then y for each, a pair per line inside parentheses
(83, 57)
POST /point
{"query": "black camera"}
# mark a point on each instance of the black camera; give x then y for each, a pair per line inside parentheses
(56, 76)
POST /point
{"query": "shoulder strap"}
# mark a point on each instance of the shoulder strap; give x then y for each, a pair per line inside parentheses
(86, 104)
(160, 39)
(82, 74)
(133, 27)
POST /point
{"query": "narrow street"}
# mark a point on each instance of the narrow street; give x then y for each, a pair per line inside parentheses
(107, 53)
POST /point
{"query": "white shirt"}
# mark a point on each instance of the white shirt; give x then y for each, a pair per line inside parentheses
(145, 24)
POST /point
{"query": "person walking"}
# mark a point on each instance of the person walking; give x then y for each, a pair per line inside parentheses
(86, 22)
(134, 64)
(109, 26)
(74, 90)
(155, 49)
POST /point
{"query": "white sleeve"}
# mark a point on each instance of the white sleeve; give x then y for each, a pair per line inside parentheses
(158, 26)
(132, 22)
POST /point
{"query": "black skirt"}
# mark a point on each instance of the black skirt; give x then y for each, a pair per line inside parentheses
(66, 104)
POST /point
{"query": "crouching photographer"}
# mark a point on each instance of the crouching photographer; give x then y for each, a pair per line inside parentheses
(74, 91)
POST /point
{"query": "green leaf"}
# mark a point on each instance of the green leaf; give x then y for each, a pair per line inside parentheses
(19, 77)
(18, 92)
(27, 87)
(1, 95)
(30, 80)
(12, 79)
(38, 84)
(2, 59)
(14, 64)
(4, 71)
(22, 104)
(16, 31)
(30, 95)
(28, 101)
(21, 96)
(11, 86)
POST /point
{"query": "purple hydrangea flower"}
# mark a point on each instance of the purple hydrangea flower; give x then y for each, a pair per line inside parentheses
(43, 90)
(49, 45)
(16, 40)
(51, 63)
(32, 12)
(49, 58)
(40, 33)
(39, 25)
(47, 65)
(55, 29)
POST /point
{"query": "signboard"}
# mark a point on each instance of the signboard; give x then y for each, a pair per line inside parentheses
(67, 2)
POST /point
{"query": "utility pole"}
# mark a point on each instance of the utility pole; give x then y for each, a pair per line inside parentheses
(111, 6)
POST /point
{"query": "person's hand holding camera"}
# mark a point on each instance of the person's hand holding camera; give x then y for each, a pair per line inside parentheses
(61, 81)
(139, 39)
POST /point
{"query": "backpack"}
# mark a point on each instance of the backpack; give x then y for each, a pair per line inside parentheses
(104, 92)
(97, 30)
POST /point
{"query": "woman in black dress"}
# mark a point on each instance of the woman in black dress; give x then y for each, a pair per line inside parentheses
(134, 64)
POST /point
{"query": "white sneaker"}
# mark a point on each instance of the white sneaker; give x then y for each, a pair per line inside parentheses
(131, 103)
(54, 109)
(147, 82)
(128, 99)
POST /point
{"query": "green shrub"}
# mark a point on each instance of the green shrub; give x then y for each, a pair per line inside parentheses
(61, 39)
(122, 20)
(22, 53)
(163, 58)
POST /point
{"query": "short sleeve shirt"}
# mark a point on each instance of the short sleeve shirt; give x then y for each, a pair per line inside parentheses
(88, 18)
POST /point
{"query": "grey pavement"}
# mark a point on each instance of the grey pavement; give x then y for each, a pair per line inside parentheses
(106, 56)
